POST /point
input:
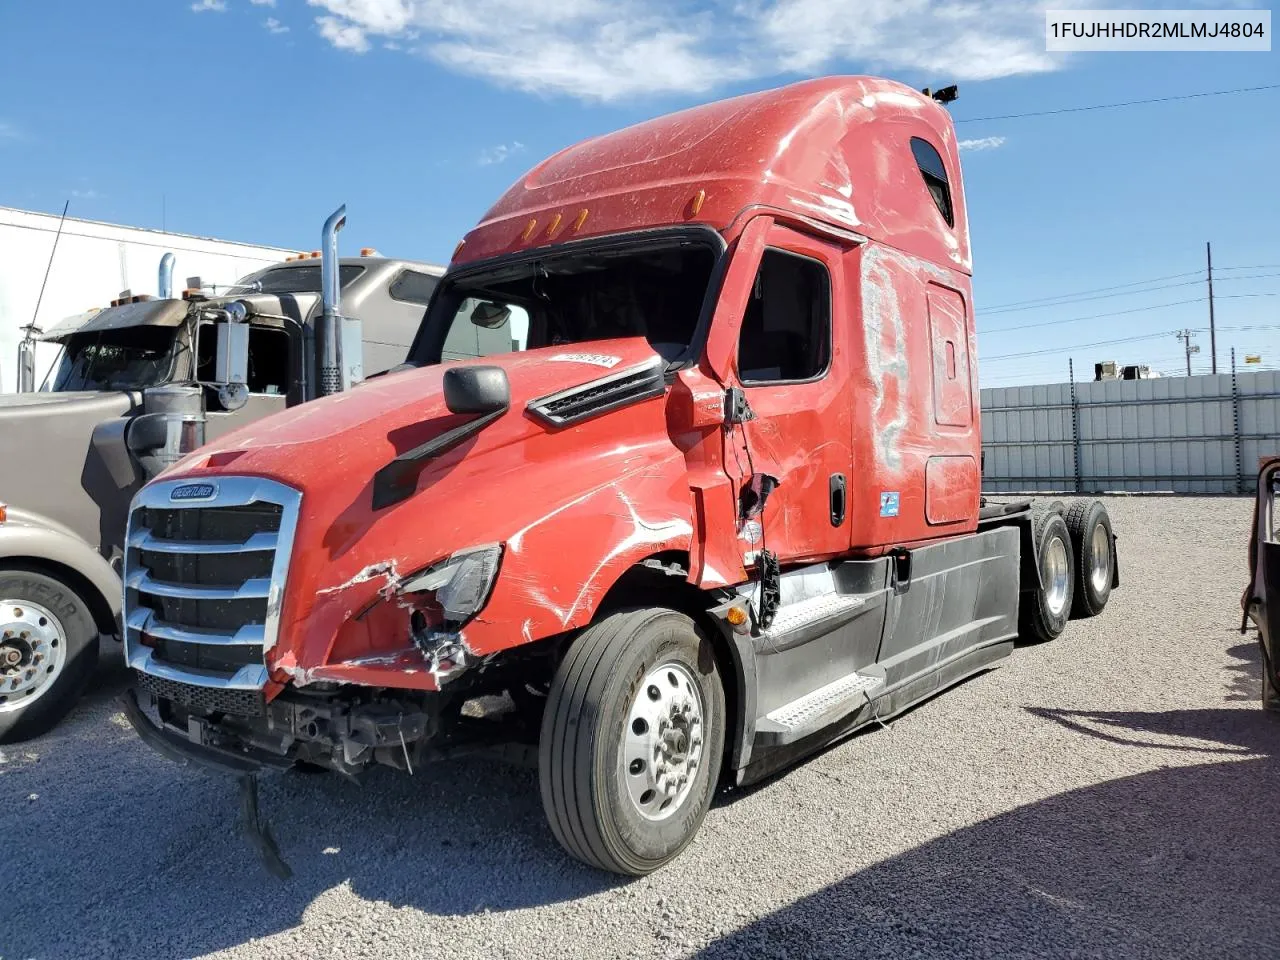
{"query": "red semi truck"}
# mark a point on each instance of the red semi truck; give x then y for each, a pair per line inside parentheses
(717, 506)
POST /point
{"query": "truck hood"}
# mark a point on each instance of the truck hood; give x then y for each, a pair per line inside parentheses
(62, 402)
(62, 456)
(310, 445)
(510, 477)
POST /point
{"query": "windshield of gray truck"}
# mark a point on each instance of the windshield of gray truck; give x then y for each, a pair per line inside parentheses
(290, 279)
(130, 358)
(654, 290)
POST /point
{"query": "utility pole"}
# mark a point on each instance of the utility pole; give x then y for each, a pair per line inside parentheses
(1186, 336)
(1213, 339)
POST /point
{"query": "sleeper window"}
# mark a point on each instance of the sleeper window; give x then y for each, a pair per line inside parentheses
(935, 177)
(786, 330)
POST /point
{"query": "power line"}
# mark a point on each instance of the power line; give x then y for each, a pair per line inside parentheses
(1064, 301)
(1094, 316)
(1077, 346)
(1098, 296)
(1067, 348)
(1081, 293)
(1124, 103)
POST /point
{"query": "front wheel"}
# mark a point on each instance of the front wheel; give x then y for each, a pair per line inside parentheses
(631, 741)
(48, 651)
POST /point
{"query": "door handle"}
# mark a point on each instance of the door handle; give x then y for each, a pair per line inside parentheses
(839, 499)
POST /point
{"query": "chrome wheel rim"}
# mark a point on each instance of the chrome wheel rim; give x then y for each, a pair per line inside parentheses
(33, 651)
(1100, 565)
(1057, 576)
(662, 742)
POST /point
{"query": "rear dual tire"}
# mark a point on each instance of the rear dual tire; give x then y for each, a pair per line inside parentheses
(1093, 543)
(1044, 611)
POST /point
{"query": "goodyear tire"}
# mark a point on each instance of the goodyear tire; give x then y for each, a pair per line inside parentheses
(1048, 506)
(631, 741)
(1090, 529)
(48, 652)
(1044, 611)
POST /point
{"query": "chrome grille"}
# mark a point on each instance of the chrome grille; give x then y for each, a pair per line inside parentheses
(204, 578)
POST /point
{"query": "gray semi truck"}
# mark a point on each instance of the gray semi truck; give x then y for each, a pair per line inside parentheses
(137, 386)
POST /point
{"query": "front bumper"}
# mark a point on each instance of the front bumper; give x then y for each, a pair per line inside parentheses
(182, 749)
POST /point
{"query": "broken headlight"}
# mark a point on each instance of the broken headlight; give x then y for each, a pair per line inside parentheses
(460, 585)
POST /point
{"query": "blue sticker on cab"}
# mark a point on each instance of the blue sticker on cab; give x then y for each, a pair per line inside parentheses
(889, 503)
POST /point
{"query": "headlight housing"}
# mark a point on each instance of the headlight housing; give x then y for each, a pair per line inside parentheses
(459, 585)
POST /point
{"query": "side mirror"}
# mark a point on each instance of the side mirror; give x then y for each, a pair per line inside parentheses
(490, 315)
(231, 359)
(476, 390)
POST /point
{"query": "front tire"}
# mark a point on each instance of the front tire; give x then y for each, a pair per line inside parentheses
(48, 652)
(631, 741)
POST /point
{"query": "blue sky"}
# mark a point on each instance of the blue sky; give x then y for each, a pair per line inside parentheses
(251, 119)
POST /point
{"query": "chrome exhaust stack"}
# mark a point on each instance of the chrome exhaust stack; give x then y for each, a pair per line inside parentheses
(340, 347)
(165, 286)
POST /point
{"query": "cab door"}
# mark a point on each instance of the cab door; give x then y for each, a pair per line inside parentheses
(793, 369)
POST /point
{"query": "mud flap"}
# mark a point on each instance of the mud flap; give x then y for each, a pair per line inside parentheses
(258, 832)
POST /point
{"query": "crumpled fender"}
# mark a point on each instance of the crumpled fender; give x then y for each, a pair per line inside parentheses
(30, 536)
(556, 570)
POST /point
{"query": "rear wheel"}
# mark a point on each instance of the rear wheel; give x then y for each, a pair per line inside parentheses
(631, 741)
(1090, 529)
(48, 651)
(1044, 611)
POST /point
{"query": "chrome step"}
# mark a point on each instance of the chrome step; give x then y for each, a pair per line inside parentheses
(815, 609)
(823, 707)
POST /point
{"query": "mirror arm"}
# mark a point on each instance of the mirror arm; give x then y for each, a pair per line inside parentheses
(398, 479)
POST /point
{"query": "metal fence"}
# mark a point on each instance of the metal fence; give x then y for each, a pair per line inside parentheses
(1180, 434)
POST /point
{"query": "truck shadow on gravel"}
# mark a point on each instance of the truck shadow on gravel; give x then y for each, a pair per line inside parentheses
(126, 854)
(1183, 861)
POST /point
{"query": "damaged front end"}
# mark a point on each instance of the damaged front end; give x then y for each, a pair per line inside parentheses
(220, 681)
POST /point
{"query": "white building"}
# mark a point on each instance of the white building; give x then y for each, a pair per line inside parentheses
(93, 263)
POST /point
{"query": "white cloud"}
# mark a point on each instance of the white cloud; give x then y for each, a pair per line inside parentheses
(85, 194)
(204, 6)
(608, 50)
(982, 143)
(273, 25)
(9, 132)
(263, 3)
(343, 34)
(500, 153)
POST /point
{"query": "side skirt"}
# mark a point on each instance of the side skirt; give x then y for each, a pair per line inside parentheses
(882, 708)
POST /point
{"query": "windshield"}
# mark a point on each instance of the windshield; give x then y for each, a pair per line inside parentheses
(654, 290)
(129, 358)
(291, 279)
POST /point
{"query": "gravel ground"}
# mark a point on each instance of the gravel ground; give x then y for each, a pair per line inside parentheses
(1110, 794)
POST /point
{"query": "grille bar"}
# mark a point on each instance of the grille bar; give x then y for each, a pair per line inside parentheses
(144, 539)
(141, 581)
(143, 620)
